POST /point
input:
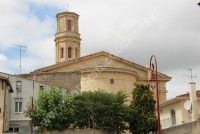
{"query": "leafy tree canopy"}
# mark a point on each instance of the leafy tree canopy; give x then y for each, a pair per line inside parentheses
(98, 109)
(141, 116)
(52, 110)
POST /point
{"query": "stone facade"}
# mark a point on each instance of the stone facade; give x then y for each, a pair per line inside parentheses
(67, 37)
(99, 69)
(67, 80)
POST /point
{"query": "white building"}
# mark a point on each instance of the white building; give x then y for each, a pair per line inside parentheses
(182, 109)
(24, 89)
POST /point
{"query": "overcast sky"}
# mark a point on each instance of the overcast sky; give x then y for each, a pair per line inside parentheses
(132, 29)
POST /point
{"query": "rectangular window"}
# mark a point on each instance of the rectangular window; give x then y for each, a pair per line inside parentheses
(18, 107)
(173, 117)
(19, 86)
(11, 130)
(16, 129)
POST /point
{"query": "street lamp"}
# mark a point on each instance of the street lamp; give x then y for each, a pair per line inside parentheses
(154, 84)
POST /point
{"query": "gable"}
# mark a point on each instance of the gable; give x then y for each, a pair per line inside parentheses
(100, 59)
(94, 62)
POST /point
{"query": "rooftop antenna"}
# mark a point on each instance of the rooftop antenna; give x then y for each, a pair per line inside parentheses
(21, 49)
(67, 7)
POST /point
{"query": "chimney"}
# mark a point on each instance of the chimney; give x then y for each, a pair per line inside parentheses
(193, 99)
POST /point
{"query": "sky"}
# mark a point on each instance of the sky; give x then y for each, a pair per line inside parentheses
(131, 29)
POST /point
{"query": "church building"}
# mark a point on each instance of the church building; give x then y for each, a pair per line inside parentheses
(100, 70)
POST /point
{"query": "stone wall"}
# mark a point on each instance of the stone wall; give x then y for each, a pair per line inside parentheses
(67, 80)
(188, 128)
(79, 131)
(1, 106)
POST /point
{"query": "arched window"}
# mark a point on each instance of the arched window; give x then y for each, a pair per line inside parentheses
(62, 53)
(69, 25)
(69, 52)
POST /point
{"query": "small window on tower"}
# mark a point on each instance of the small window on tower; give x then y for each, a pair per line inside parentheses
(69, 25)
(69, 52)
(76, 52)
(62, 53)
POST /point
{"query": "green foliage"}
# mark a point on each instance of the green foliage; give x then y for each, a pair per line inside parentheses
(52, 111)
(99, 109)
(141, 115)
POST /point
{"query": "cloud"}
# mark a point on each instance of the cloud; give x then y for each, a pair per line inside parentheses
(131, 29)
(20, 27)
(3, 57)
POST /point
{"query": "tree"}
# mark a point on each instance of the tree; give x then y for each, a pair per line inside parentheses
(52, 110)
(141, 115)
(101, 110)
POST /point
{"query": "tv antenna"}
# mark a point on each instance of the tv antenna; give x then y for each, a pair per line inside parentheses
(67, 7)
(21, 49)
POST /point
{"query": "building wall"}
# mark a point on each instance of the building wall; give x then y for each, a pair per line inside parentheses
(103, 80)
(67, 80)
(79, 131)
(1, 105)
(188, 128)
(182, 115)
(29, 89)
(165, 115)
(4, 105)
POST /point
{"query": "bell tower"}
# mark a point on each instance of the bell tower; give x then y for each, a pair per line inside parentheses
(67, 38)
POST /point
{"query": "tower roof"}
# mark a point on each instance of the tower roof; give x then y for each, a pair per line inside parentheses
(66, 13)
